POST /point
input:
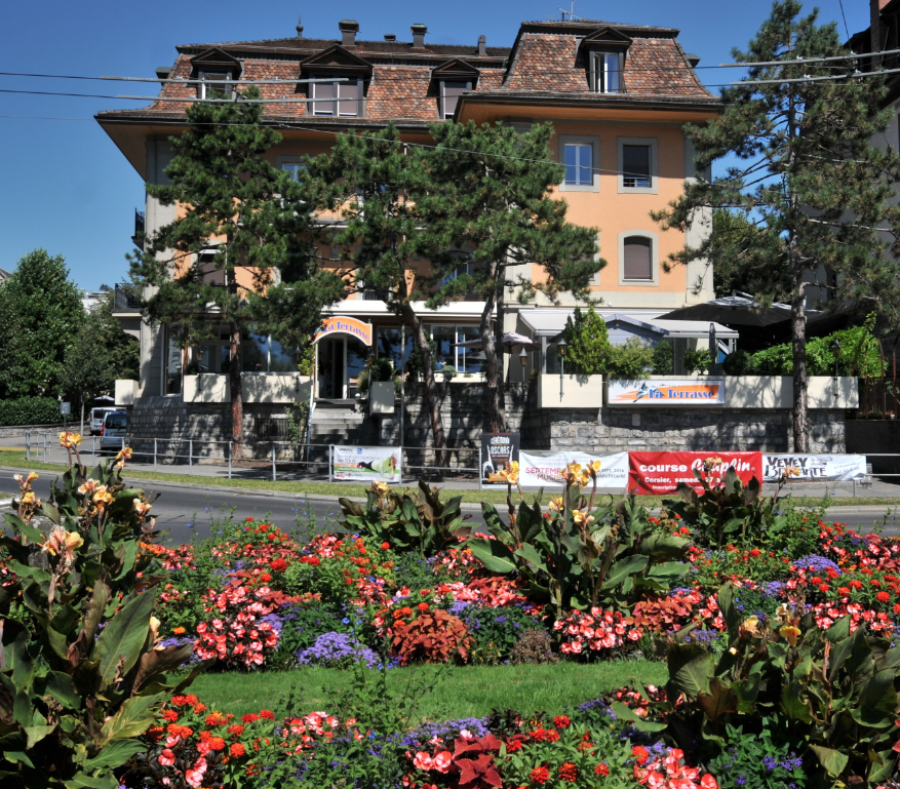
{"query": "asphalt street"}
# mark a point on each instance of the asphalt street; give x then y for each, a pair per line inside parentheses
(194, 511)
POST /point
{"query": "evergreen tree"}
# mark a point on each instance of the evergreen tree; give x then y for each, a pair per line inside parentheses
(492, 195)
(242, 221)
(587, 342)
(41, 312)
(377, 184)
(813, 187)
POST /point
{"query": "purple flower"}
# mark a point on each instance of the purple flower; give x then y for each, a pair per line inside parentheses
(338, 649)
(817, 564)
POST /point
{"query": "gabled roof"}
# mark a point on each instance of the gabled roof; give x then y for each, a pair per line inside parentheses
(336, 58)
(455, 68)
(215, 58)
(606, 37)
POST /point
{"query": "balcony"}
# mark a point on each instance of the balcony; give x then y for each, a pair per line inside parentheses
(139, 226)
(125, 303)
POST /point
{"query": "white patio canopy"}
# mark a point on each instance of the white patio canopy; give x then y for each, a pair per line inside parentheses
(549, 323)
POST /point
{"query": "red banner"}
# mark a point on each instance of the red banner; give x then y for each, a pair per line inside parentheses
(655, 473)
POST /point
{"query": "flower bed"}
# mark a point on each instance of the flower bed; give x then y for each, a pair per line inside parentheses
(774, 624)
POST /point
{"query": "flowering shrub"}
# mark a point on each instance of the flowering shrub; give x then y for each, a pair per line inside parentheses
(337, 650)
(598, 632)
(669, 771)
(238, 634)
(498, 629)
(664, 614)
(432, 637)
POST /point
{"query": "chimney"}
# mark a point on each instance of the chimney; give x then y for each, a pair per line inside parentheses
(418, 30)
(390, 37)
(693, 60)
(482, 46)
(349, 28)
(163, 72)
(299, 27)
(875, 29)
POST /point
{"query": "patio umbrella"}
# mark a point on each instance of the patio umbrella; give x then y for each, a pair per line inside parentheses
(739, 309)
(512, 341)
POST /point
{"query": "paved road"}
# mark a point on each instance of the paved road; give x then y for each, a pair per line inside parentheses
(186, 512)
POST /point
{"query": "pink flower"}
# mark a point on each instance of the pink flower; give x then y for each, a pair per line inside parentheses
(167, 758)
(423, 761)
(442, 761)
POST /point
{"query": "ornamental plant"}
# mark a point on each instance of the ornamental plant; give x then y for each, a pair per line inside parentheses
(432, 637)
(425, 524)
(580, 556)
(81, 674)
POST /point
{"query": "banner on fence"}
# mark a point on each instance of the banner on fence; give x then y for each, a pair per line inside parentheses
(680, 391)
(811, 467)
(497, 449)
(654, 473)
(366, 464)
(540, 469)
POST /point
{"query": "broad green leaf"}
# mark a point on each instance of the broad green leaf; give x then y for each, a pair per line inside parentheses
(668, 570)
(114, 754)
(60, 687)
(839, 630)
(625, 713)
(623, 568)
(529, 553)
(18, 756)
(719, 702)
(82, 781)
(793, 704)
(134, 717)
(493, 554)
(833, 761)
(690, 669)
(121, 641)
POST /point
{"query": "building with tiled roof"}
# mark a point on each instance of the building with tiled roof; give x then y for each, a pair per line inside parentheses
(617, 94)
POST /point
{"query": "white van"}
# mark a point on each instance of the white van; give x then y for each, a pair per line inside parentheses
(97, 415)
(115, 427)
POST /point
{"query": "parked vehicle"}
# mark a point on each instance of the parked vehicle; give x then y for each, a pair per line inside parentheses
(112, 433)
(97, 416)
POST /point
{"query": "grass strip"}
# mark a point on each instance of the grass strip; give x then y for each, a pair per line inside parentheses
(17, 459)
(453, 692)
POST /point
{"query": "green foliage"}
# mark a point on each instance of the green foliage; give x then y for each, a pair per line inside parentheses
(81, 678)
(833, 692)
(587, 342)
(738, 363)
(582, 556)
(425, 524)
(738, 766)
(630, 361)
(498, 630)
(663, 359)
(725, 512)
(30, 411)
(697, 361)
(41, 313)
(807, 185)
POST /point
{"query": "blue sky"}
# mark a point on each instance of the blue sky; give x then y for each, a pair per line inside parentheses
(64, 186)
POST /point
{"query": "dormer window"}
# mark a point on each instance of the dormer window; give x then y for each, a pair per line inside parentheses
(451, 80)
(215, 85)
(603, 53)
(339, 89)
(216, 73)
(338, 98)
(606, 72)
(451, 90)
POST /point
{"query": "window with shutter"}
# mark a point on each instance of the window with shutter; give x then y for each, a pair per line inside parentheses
(636, 166)
(637, 259)
(451, 90)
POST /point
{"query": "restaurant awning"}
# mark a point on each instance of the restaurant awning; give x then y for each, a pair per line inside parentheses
(550, 322)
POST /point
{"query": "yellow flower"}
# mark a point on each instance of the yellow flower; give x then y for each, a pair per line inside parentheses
(88, 487)
(69, 440)
(514, 466)
(154, 626)
(62, 541)
(751, 625)
(573, 468)
(557, 504)
(790, 633)
(581, 517)
(710, 463)
(141, 508)
(380, 488)
(124, 453)
(584, 478)
(32, 476)
(790, 471)
(103, 497)
(595, 467)
(28, 497)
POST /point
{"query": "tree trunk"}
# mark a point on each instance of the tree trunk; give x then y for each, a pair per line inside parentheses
(493, 374)
(431, 401)
(237, 399)
(801, 379)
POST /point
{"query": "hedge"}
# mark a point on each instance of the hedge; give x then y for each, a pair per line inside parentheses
(29, 411)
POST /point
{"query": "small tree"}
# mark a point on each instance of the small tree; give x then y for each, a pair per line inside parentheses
(241, 222)
(587, 342)
(809, 189)
(630, 361)
(663, 359)
(41, 313)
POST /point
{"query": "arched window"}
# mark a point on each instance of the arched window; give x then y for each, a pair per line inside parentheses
(638, 258)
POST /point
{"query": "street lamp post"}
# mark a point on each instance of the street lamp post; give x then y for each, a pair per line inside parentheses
(561, 350)
(523, 358)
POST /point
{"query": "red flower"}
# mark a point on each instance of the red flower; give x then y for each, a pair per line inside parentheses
(422, 606)
(170, 715)
(601, 769)
(167, 758)
(265, 578)
(539, 775)
(855, 584)
(823, 587)
(237, 749)
(279, 565)
(640, 753)
(568, 772)
(249, 520)
(883, 597)
(385, 546)
(250, 717)
(553, 735)
(754, 553)
(267, 714)
(561, 721)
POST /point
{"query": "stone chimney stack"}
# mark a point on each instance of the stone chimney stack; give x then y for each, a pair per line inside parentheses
(875, 29)
(418, 30)
(482, 46)
(349, 28)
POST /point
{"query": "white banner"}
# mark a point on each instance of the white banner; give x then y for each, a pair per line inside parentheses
(366, 464)
(676, 391)
(544, 469)
(812, 467)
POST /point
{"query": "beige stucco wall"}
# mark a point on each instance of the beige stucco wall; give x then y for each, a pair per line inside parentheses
(257, 388)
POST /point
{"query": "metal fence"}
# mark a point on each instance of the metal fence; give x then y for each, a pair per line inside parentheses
(278, 459)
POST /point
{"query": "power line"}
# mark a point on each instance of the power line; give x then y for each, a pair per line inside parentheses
(844, 15)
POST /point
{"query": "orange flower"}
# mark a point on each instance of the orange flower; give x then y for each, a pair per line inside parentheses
(237, 749)
(178, 631)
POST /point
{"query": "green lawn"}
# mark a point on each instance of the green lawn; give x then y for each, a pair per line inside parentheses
(16, 459)
(455, 692)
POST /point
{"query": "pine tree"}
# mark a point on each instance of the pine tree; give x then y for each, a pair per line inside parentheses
(814, 188)
(41, 313)
(246, 217)
(587, 342)
(492, 194)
